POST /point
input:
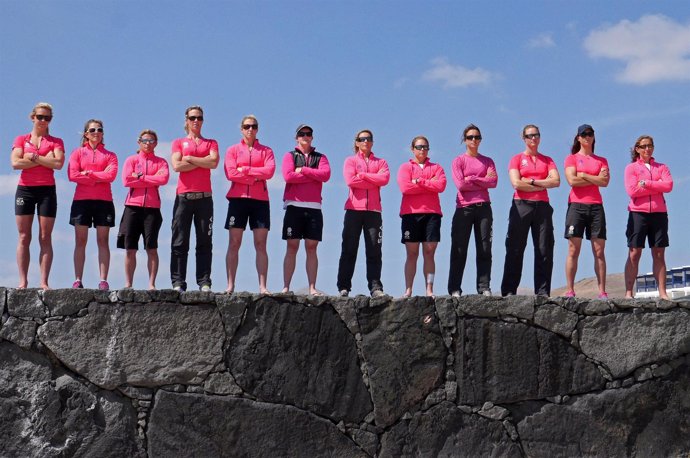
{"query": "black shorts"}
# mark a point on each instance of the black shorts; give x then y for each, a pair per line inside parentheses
(92, 213)
(138, 221)
(421, 227)
(585, 219)
(36, 199)
(241, 210)
(650, 226)
(302, 223)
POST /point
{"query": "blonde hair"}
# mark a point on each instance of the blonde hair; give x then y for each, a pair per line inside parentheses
(148, 132)
(252, 117)
(43, 105)
(186, 112)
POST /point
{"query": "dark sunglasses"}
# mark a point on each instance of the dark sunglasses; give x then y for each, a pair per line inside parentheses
(147, 140)
(304, 134)
(43, 117)
(421, 147)
(587, 134)
(473, 137)
(195, 118)
(250, 126)
(532, 136)
(649, 146)
(364, 139)
(93, 130)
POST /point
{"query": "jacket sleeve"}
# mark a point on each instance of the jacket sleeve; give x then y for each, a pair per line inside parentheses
(288, 169)
(230, 166)
(438, 184)
(664, 183)
(127, 179)
(109, 174)
(405, 181)
(322, 173)
(266, 171)
(352, 178)
(631, 183)
(379, 178)
(74, 169)
(161, 177)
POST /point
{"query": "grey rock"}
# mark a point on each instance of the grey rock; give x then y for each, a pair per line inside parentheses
(133, 295)
(43, 416)
(175, 388)
(227, 426)
(404, 353)
(662, 371)
(347, 310)
(198, 297)
(663, 304)
(164, 295)
(493, 412)
(18, 331)
(232, 308)
(299, 355)
(626, 341)
(66, 301)
(368, 441)
(451, 391)
(143, 345)
(642, 374)
(136, 392)
(496, 306)
(504, 363)
(445, 431)
(3, 299)
(648, 419)
(221, 383)
(596, 307)
(195, 389)
(511, 430)
(445, 310)
(556, 319)
(26, 303)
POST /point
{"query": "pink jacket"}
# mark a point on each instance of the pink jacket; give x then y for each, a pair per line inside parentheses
(365, 177)
(422, 196)
(470, 175)
(305, 186)
(102, 167)
(258, 165)
(143, 190)
(650, 198)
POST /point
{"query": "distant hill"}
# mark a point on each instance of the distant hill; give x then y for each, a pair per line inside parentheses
(587, 288)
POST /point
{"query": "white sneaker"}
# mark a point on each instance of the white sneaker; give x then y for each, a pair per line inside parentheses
(205, 288)
(486, 292)
(343, 293)
(455, 294)
(377, 293)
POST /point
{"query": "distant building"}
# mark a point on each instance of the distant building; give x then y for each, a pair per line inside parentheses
(677, 284)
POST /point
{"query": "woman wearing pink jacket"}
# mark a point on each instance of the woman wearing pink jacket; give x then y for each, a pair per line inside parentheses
(248, 165)
(143, 173)
(646, 181)
(93, 168)
(364, 174)
(421, 182)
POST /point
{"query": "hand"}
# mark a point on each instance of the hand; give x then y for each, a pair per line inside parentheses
(491, 173)
(298, 170)
(580, 174)
(239, 169)
(604, 173)
(641, 183)
(85, 172)
(135, 175)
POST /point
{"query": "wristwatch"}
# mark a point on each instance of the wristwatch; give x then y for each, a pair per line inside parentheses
(532, 182)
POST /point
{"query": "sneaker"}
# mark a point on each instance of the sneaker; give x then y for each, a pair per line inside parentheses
(486, 292)
(178, 288)
(455, 294)
(377, 293)
(77, 284)
(205, 288)
(603, 297)
(344, 293)
(103, 285)
(569, 294)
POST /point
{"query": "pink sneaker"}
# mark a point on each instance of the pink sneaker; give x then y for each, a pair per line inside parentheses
(603, 296)
(103, 285)
(77, 284)
(570, 294)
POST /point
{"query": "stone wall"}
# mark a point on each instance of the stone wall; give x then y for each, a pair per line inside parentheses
(159, 374)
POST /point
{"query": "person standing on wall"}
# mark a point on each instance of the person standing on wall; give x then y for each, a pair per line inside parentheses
(143, 173)
(473, 174)
(305, 171)
(248, 165)
(37, 154)
(586, 173)
(364, 174)
(531, 174)
(193, 157)
(93, 168)
(646, 182)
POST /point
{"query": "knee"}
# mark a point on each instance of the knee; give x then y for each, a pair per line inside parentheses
(234, 245)
(292, 249)
(25, 238)
(310, 249)
(260, 246)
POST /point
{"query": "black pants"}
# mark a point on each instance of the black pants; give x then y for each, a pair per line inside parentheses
(355, 222)
(200, 211)
(479, 217)
(526, 215)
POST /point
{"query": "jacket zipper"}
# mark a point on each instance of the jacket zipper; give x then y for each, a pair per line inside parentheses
(146, 169)
(250, 164)
(366, 164)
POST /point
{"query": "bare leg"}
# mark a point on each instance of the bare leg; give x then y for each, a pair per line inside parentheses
(412, 250)
(24, 223)
(130, 267)
(45, 239)
(289, 263)
(232, 257)
(574, 245)
(631, 265)
(81, 236)
(102, 233)
(659, 269)
(312, 264)
(428, 252)
(260, 237)
(152, 264)
(598, 246)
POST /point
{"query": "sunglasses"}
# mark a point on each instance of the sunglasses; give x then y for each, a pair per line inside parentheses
(43, 117)
(532, 136)
(587, 134)
(648, 146)
(364, 139)
(93, 130)
(421, 147)
(146, 140)
(473, 137)
(304, 134)
(195, 118)
(250, 126)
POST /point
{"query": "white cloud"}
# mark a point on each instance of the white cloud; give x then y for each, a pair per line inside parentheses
(543, 40)
(452, 76)
(654, 48)
(8, 184)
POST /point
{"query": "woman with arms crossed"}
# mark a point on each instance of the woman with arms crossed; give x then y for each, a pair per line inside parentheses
(37, 155)
(420, 182)
(646, 181)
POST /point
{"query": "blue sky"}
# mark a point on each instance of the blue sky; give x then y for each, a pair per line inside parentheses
(398, 68)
